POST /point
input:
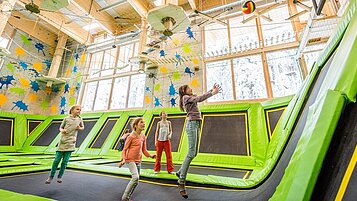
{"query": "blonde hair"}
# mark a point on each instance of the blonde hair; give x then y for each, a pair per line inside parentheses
(72, 108)
(135, 123)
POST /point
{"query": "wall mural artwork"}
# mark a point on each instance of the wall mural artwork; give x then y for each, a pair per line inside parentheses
(157, 102)
(147, 99)
(3, 99)
(173, 102)
(182, 50)
(26, 40)
(190, 33)
(6, 81)
(31, 58)
(20, 105)
(172, 90)
(40, 47)
(162, 53)
(188, 71)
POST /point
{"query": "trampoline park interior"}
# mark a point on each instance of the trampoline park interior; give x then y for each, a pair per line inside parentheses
(283, 128)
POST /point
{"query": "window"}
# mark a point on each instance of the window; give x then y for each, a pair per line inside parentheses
(120, 93)
(243, 36)
(111, 92)
(136, 93)
(249, 78)
(4, 43)
(102, 97)
(109, 62)
(304, 17)
(125, 53)
(220, 72)
(284, 72)
(89, 95)
(95, 64)
(310, 59)
(311, 54)
(136, 51)
(216, 38)
(279, 30)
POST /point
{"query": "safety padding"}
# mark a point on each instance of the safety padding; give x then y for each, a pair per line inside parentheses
(305, 164)
(338, 89)
(12, 196)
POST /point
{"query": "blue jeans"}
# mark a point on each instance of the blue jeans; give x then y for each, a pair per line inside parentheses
(59, 155)
(193, 134)
(134, 169)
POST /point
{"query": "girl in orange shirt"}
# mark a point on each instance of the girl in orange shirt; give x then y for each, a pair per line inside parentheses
(135, 146)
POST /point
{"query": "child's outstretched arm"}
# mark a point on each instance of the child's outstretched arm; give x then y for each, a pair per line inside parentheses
(215, 90)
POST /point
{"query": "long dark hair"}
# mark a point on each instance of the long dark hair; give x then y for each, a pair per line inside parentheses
(182, 92)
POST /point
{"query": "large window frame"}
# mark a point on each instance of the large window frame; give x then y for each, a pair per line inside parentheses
(260, 49)
(101, 90)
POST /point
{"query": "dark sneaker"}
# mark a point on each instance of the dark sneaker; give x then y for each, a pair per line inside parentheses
(59, 180)
(178, 175)
(182, 190)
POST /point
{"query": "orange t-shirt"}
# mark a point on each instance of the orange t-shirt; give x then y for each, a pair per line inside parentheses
(134, 146)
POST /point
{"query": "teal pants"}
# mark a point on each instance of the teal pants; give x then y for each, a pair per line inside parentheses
(60, 155)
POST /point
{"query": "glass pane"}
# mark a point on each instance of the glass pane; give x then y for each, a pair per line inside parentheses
(310, 59)
(279, 30)
(136, 93)
(4, 42)
(108, 62)
(120, 92)
(216, 38)
(135, 67)
(249, 77)
(95, 64)
(311, 54)
(220, 72)
(243, 36)
(284, 72)
(304, 17)
(102, 98)
(88, 96)
(125, 53)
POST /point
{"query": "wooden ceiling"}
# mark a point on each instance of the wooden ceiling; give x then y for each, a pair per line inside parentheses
(122, 17)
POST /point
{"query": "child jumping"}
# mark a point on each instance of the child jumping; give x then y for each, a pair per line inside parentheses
(69, 129)
(162, 142)
(188, 103)
(135, 145)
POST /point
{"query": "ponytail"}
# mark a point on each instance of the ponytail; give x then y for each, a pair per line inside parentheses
(182, 92)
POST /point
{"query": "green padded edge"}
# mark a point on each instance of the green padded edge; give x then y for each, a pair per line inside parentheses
(12, 196)
(304, 167)
(338, 89)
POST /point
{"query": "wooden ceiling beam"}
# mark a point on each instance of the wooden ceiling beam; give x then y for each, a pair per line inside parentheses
(192, 4)
(32, 28)
(104, 19)
(139, 7)
(58, 20)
